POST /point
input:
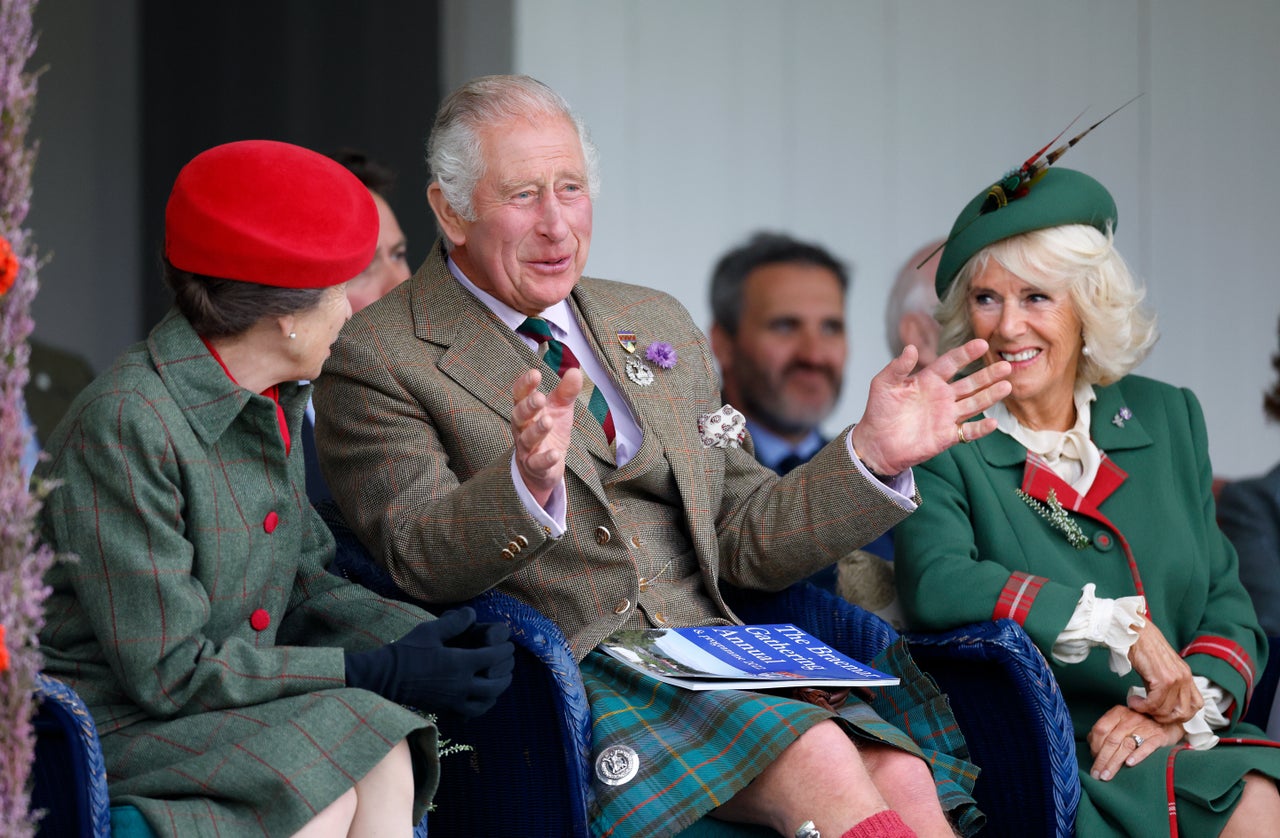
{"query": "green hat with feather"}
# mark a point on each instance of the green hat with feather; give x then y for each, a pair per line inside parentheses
(1053, 198)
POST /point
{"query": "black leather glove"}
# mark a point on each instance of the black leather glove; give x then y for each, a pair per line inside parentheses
(452, 664)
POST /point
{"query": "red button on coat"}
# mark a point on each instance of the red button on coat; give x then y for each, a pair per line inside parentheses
(260, 619)
(269, 523)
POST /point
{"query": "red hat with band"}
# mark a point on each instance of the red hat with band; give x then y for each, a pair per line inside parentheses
(271, 213)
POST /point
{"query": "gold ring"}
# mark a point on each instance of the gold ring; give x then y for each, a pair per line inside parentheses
(960, 433)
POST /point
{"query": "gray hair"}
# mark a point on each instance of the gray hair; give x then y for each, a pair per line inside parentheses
(1083, 261)
(454, 155)
(912, 291)
(763, 248)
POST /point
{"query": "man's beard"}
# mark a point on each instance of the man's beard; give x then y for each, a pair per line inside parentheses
(763, 402)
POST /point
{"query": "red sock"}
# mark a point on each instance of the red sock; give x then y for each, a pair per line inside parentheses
(884, 824)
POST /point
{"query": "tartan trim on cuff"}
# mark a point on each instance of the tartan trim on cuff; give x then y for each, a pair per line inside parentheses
(1230, 652)
(1016, 597)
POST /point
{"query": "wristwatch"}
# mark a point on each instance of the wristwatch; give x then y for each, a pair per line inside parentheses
(808, 830)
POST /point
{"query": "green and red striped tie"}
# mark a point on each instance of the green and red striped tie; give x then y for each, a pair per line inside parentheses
(561, 358)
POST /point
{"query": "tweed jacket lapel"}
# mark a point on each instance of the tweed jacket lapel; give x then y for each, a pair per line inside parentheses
(483, 357)
(651, 405)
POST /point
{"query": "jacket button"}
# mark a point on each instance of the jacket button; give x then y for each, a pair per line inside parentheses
(603, 535)
(644, 584)
(260, 619)
(508, 555)
(270, 522)
(1103, 540)
(635, 541)
(621, 607)
(513, 547)
(522, 541)
(660, 619)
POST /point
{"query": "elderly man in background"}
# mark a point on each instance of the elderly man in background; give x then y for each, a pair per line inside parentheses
(908, 316)
(454, 435)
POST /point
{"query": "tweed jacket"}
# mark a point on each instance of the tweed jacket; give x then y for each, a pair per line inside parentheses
(199, 600)
(975, 550)
(414, 433)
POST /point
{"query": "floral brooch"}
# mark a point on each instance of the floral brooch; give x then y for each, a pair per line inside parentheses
(1056, 514)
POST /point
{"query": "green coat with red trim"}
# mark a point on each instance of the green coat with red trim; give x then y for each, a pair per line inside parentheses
(975, 550)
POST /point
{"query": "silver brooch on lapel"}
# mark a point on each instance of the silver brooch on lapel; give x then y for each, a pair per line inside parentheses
(1123, 415)
(638, 372)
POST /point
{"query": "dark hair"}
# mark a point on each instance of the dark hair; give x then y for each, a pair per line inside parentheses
(375, 176)
(761, 249)
(225, 307)
(1271, 398)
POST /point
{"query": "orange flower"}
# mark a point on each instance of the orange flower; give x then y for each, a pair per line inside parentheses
(8, 271)
(4, 650)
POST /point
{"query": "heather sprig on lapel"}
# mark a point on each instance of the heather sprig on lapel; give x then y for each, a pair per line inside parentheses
(1057, 517)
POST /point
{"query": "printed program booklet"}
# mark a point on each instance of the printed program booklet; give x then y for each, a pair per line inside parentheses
(740, 657)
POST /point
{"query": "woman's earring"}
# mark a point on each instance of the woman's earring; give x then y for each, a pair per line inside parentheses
(294, 336)
(1084, 347)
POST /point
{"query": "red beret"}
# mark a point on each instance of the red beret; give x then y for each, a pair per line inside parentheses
(271, 213)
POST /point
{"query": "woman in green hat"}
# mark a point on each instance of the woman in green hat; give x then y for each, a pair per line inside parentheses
(1088, 518)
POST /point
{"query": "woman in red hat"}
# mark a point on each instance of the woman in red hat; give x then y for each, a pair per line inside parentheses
(236, 685)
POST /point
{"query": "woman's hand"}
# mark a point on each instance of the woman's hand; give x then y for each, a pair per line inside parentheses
(542, 426)
(1172, 695)
(1124, 736)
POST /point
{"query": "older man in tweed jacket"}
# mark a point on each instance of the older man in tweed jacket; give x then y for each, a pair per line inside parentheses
(465, 463)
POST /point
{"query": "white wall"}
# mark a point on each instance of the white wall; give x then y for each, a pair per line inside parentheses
(867, 124)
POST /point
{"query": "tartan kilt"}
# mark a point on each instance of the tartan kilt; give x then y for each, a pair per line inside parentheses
(697, 749)
(265, 769)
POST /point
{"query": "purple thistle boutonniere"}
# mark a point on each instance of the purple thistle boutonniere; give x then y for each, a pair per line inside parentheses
(661, 353)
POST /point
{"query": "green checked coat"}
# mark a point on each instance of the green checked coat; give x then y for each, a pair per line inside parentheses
(975, 550)
(199, 624)
(415, 439)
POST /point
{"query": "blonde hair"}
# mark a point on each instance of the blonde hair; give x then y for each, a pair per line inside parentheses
(1083, 261)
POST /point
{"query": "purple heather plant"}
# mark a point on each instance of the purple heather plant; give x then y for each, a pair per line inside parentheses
(23, 561)
(661, 353)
